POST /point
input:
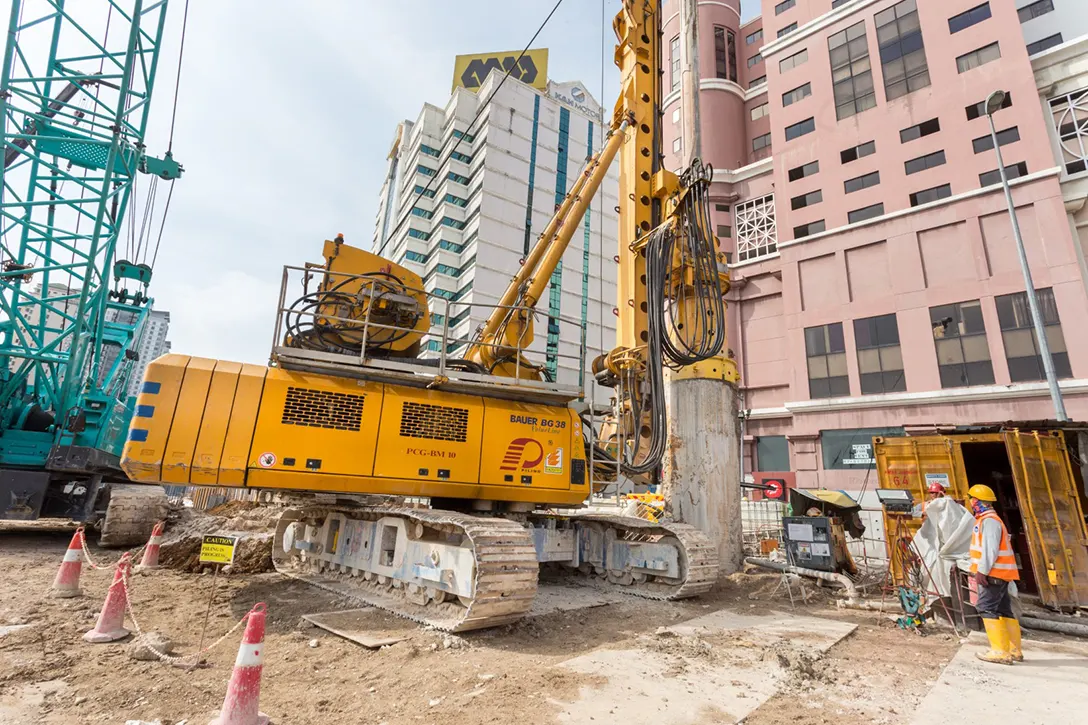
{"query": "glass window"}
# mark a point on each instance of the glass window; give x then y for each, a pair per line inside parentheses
(731, 47)
(857, 152)
(963, 356)
(966, 19)
(754, 37)
(424, 191)
(757, 82)
(677, 144)
(1042, 7)
(975, 110)
(791, 97)
(1004, 137)
(1018, 334)
(455, 200)
(425, 171)
(760, 111)
(757, 234)
(800, 172)
(1012, 171)
(724, 231)
(784, 6)
(772, 454)
(792, 61)
(851, 71)
(975, 58)
(861, 182)
(807, 230)
(927, 195)
(925, 128)
(880, 359)
(1048, 42)
(868, 212)
(902, 53)
(836, 3)
(787, 30)
(721, 64)
(424, 148)
(812, 197)
(761, 141)
(922, 163)
(721, 207)
(753, 60)
(458, 178)
(800, 128)
(1069, 114)
(674, 62)
(422, 212)
(825, 350)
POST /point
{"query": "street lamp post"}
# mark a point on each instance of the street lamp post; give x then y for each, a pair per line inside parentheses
(993, 103)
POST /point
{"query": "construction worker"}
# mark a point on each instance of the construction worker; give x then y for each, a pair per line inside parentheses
(933, 492)
(993, 566)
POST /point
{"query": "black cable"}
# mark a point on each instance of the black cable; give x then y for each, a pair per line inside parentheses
(483, 107)
(177, 80)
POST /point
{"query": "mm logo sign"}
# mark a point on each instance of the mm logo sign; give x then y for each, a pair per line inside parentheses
(522, 453)
(470, 71)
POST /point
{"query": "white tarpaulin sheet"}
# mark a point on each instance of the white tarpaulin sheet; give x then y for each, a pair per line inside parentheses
(943, 540)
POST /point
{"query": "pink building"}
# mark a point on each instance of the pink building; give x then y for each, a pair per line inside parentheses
(875, 280)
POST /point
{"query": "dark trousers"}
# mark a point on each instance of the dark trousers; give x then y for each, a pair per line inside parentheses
(994, 601)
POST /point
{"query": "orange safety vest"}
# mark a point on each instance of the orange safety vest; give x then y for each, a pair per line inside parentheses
(1005, 564)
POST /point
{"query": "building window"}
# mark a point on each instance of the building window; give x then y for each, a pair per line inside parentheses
(724, 231)
(424, 170)
(861, 182)
(784, 6)
(455, 200)
(422, 212)
(772, 454)
(674, 62)
(793, 61)
(722, 208)
(458, 178)
(1013, 171)
(836, 3)
(1018, 334)
(677, 144)
(721, 65)
(760, 111)
(1070, 115)
(825, 350)
(458, 156)
(977, 110)
(1048, 42)
(880, 359)
(753, 60)
(791, 97)
(757, 82)
(922, 163)
(449, 222)
(975, 58)
(869, 212)
(761, 142)
(927, 195)
(754, 37)
(963, 356)
(851, 72)
(787, 30)
(902, 53)
(857, 152)
(423, 191)
(925, 128)
(966, 19)
(1004, 137)
(415, 256)
(425, 149)
(800, 128)
(756, 231)
(801, 172)
(417, 234)
(812, 197)
(807, 230)
(1042, 7)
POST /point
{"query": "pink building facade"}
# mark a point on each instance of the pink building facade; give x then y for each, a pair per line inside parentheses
(876, 284)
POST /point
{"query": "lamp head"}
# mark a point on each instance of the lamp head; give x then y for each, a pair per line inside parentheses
(994, 101)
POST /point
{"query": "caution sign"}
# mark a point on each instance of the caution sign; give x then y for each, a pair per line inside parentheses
(470, 71)
(218, 549)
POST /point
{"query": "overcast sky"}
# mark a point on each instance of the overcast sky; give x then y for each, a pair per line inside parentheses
(286, 114)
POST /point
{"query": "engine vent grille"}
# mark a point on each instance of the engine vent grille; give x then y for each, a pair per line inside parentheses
(434, 422)
(323, 409)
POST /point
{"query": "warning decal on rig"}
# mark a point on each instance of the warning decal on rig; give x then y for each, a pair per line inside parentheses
(217, 549)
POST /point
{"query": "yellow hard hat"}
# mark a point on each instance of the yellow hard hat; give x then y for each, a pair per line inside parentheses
(982, 493)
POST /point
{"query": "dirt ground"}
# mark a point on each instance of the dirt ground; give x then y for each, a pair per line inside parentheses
(48, 674)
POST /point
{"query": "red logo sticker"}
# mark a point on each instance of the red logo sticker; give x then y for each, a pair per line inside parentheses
(522, 453)
(267, 460)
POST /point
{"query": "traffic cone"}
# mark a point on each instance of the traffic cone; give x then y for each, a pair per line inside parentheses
(66, 584)
(240, 706)
(151, 551)
(111, 621)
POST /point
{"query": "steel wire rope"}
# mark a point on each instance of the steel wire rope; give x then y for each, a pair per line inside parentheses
(479, 112)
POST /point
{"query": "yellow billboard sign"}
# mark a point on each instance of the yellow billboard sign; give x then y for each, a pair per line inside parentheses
(470, 71)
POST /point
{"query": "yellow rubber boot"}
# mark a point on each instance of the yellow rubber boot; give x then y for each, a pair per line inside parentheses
(998, 634)
(1012, 627)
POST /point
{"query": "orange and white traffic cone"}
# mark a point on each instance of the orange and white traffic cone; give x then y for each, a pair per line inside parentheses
(66, 584)
(151, 551)
(240, 706)
(111, 621)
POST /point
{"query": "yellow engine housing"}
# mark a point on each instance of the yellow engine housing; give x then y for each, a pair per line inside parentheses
(217, 423)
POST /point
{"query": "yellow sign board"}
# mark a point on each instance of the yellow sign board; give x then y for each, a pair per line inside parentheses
(218, 549)
(470, 71)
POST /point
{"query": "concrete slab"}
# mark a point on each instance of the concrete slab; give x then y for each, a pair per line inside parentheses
(716, 668)
(1049, 687)
(552, 598)
(362, 626)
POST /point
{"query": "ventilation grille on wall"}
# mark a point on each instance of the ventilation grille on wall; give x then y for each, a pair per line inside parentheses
(322, 409)
(435, 422)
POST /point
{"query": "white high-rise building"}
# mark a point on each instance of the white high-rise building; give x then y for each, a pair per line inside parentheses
(153, 344)
(487, 203)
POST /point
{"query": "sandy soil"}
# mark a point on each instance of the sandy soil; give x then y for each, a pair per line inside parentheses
(49, 675)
